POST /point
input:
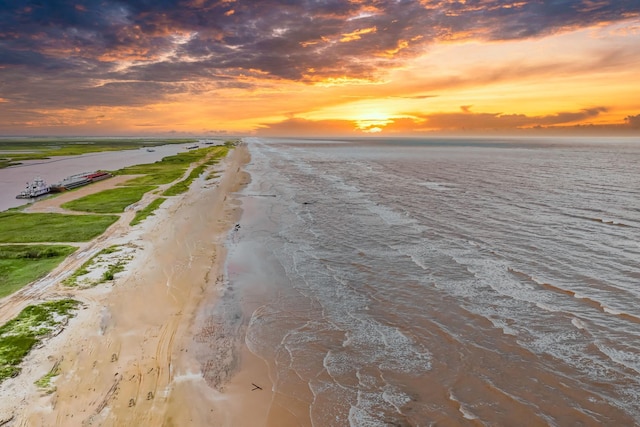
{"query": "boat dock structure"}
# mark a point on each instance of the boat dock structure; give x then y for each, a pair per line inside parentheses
(38, 187)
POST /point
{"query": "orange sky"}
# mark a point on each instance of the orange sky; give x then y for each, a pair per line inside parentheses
(353, 71)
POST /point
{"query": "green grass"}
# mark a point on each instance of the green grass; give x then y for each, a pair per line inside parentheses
(114, 200)
(85, 268)
(142, 214)
(155, 176)
(4, 163)
(215, 153)
(22, 264)
(213, 175)
(44, 383)
(19, 227)
(32, 325)
(112, 270)
(169, 168)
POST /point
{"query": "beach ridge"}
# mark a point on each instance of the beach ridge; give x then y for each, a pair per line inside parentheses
(124, 359)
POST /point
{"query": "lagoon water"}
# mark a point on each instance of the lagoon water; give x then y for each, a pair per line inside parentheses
(415, 283)
(55, 169)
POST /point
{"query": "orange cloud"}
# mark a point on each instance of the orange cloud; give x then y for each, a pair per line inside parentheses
(402, 44)
(357, 34)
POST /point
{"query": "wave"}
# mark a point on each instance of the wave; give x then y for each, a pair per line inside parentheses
(466, 413)
(628, 359)
(578, 323)
(604, 221)
(600, 306)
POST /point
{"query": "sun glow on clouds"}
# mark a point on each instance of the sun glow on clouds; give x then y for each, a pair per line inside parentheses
(357, 34)
(342, 81)
(361, 66)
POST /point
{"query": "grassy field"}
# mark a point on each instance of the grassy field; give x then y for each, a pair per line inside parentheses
(33, 324)
(169, 168)
(19, 227)
(142, 214)
(23, 264)
(180, 187)
(114, 200)
(42, 148)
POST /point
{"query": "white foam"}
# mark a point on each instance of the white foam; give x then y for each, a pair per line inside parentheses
(395, 397)
(578, 323)
(466, 413)
(610, 310)
(625, 358)
(390, 216)
(501, 324)
(546, 307)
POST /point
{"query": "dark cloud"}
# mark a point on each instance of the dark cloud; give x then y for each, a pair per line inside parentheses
(468, 120)
(633, 121)
(173, 45)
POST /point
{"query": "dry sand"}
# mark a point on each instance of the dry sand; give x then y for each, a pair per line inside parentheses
(130, 357)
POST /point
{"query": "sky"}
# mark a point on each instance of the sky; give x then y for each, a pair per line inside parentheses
(320, 68)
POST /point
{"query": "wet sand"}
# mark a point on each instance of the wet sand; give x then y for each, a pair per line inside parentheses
(129, 357)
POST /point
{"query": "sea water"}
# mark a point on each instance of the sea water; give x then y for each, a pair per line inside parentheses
(443, 282)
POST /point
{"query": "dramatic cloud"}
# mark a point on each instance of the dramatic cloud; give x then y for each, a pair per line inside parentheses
(634, 121)
(293, 40)
(467, 120)
(90, 53)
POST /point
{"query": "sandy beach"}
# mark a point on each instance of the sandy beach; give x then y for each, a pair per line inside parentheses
(136, 352)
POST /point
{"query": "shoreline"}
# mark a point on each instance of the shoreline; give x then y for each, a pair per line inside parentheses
(128, 357)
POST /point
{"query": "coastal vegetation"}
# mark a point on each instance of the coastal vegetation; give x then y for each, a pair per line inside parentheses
(5, 163)
(15, 150)
(23, 264)
(213, 175)
(31, 326)
(142, 214)
(114, 200)
(182, 186)
(107, 263)
(19, 227)
(214, 154)
(44, 383)
(112, 270)
(169, 168)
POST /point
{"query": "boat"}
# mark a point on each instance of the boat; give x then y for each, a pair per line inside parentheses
(80, 179)
(34, 189)
(191, 147)
(71, 182)
(98, 176)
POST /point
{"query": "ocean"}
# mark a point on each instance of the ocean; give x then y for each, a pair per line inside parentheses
(442, 282)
